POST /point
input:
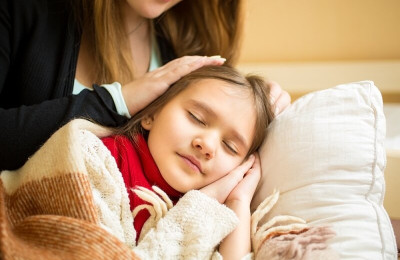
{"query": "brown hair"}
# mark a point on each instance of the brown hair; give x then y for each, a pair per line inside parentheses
(206, 27)
(254, 84)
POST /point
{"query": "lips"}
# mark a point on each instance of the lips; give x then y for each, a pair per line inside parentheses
(192, 162)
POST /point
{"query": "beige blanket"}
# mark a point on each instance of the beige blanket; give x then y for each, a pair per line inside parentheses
(69, 202)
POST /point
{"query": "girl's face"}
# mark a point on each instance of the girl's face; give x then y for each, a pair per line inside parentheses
(151, 8)
(202, 133)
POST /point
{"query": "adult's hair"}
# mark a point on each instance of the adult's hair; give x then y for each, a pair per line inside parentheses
(200, 27)
(254, 84)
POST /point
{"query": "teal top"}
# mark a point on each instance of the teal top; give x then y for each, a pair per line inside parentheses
(115, 88)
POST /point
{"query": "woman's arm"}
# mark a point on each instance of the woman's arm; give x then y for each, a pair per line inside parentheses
(38, 49)
(38, 45)
(24, 129)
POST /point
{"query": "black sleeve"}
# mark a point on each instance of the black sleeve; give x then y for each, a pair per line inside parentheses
(37, 44)
(5, 47)
(36, 57)
(24, 129)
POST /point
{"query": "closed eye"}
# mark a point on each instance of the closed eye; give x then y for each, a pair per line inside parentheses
(196, 119)
(230, 147)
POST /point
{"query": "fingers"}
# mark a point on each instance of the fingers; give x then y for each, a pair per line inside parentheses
(282, 102)
(202, 60)
(142, 91)
(245, 189)
(280, 99)
(221, 188)
(243, 168)
(252, 177)
(256, 167)
(176, 69)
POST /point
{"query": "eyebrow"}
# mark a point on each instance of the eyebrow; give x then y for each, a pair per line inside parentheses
(209, 111)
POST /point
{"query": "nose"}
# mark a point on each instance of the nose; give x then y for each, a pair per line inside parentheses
(206, 145)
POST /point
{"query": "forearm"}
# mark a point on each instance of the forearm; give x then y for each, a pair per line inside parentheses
(237, 244)
(24, 129)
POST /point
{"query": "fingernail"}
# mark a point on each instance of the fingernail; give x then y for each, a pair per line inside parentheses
(217, 57)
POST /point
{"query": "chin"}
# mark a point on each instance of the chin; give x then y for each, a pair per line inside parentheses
(171, 179)
(153, 12)
(178, 186)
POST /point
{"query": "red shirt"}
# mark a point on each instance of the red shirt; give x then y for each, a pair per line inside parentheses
(138, 169)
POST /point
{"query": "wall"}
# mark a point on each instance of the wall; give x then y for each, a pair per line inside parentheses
(319, 30)
(308, 45)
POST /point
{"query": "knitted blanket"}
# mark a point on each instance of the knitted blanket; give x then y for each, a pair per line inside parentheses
(69, 202)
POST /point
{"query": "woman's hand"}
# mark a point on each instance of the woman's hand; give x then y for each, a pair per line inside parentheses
(142, 91)
(221, 188)
(280, 99)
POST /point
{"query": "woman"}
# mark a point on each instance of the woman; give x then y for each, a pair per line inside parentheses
(54, 55)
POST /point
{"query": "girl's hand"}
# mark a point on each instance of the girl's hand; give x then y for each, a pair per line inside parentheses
(244, 190)
(237, 244)
(280, 99)
(220, 189)
(142, 91)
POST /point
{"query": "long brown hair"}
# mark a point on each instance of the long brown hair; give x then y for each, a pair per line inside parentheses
(200, 27)
(254, 84)
(206, 27)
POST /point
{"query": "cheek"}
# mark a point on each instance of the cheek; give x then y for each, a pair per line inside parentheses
(169, 128)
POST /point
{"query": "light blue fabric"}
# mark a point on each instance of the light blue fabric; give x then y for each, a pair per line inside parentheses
(78, 87)
(155, 60)
(115, 88)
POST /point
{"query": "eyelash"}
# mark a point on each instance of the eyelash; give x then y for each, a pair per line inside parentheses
(195, 118)
(230, 148)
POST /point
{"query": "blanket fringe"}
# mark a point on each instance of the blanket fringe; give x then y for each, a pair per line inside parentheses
(288, 237)
(159, 205)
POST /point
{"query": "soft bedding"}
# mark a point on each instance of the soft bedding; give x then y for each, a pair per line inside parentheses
(321, 194)
(326, 155)
(69, 202)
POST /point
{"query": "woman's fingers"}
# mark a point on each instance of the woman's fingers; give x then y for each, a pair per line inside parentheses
(144, 90)
(282, 102)
(280, 99)
(178, 68)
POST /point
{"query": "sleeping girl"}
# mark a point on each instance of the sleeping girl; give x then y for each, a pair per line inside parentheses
(201, 136)
(189, 168)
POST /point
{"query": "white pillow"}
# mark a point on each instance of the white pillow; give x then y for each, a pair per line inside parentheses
(326, 156)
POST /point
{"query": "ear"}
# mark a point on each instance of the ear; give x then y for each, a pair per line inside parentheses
(147, 122)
